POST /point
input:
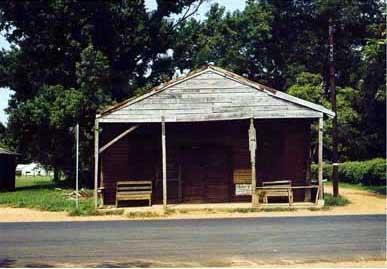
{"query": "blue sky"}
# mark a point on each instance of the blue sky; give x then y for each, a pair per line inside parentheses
(230, 5)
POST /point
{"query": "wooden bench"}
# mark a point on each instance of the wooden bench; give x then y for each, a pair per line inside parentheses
(134, 190)
(277, 189)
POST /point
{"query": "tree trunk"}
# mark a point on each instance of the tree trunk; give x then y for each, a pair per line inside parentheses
(56, 175)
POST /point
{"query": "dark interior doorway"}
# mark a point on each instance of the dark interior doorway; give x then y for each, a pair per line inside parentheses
(206, 174)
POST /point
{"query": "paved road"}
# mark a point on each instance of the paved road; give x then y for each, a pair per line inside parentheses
(195, 242)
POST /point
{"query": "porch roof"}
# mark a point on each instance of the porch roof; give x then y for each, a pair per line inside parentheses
(208, 94)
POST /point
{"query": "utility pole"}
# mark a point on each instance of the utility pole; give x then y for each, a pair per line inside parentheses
(332, 84)
(77, 164)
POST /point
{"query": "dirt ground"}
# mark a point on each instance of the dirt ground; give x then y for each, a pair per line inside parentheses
(235, 263)
(362, 202)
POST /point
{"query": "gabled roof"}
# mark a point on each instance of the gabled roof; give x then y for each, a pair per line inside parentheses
(210, 77)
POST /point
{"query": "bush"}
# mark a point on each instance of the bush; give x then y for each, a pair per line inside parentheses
(330, 200)
(371, 172)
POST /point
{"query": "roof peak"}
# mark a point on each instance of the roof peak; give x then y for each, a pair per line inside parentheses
(227, 74)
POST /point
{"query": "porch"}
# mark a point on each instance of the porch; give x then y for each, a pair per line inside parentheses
(209, 162)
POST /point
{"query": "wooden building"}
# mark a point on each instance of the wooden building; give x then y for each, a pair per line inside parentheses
(7, 170)
(211, 136)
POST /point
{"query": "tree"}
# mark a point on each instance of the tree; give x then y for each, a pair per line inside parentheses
(309, 87)
(72, 58)
(371, 101)
(283, 43)
(3, 135)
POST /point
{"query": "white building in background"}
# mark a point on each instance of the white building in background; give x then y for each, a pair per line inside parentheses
(32, 169)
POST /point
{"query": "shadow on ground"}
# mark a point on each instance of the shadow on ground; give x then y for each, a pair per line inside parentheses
(7, 262)
(4, 263)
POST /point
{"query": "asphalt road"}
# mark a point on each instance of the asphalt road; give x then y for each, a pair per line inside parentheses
(193, 242)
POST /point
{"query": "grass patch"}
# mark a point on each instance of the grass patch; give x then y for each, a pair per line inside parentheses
(330, 200)
(376, 189)
(42, 193)
(33, 182)
(112, 212)
(324, 208)
(149, 214)
(243, 210)
(379, 189)
(279, 209)
(170, 212)
(90, 211)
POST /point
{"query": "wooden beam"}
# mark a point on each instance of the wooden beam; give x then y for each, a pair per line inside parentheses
(118, 137)
(164, 159)
(320, 156)
(96, 143)
(253, 148)
(178, 116)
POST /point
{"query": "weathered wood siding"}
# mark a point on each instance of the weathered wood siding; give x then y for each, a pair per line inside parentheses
(212, 156)
(206, 97)
(7, 172)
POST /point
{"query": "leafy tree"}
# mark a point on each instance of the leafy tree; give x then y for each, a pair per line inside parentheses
(3, 135)
(372, 98)
(309, 86)
(80, 56)
(41, 126)
(70, 59)
(283, 44)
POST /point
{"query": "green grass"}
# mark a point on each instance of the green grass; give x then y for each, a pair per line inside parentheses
(148, 214)
(375, 189)
(43, 194)
(32, 182)
(330, 200)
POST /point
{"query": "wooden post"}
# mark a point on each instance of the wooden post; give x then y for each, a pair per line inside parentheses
(180, 188)
(77, 164)
(164, 157)
(253, 148)
(96, 145)
(320, 156)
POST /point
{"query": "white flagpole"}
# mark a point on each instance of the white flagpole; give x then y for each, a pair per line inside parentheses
(77, 165)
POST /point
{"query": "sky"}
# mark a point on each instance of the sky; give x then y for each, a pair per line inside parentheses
(230, 5)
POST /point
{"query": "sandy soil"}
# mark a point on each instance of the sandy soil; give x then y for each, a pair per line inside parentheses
(314, 264)
(10, 214)
(362, 202)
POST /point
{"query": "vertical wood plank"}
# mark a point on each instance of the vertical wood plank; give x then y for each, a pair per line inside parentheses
(96, 145)
(101, 182)
(253, 147)
(320, 155)
(180, 187)
(308, 155)
(164, 157)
